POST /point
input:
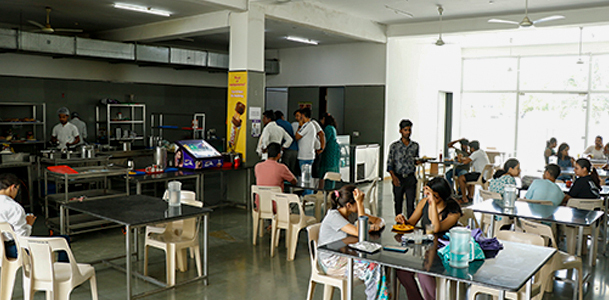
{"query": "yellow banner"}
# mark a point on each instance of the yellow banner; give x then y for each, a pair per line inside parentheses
(236, 118)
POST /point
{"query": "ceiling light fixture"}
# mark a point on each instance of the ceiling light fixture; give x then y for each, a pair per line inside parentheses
(301, 40)
(144, 9)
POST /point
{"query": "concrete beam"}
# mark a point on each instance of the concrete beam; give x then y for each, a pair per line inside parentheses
(170, 29)
(331, 21)
(574, 17)
(238, 5)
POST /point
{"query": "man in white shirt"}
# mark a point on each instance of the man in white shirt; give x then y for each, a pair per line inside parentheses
(596, 151)
(310, 137)
(478, 160)
(272, 133)
(65, 134)
(82, 127)
(13, 213)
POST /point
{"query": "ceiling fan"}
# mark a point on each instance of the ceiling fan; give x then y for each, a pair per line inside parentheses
(48, 29)
(526, 22)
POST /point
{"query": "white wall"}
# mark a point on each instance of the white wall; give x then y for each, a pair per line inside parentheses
(343, 64)
(416, 72)
(26, 65)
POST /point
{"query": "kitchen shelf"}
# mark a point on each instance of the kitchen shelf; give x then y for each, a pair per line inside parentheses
(22, 123)
(134, 121)
(35, 111)
(158, 124)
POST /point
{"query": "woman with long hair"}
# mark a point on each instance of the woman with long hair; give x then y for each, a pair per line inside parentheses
(564, 160)
(337, 225)
(588, 183)
(441, 210)
(511, 169)
(330, 158)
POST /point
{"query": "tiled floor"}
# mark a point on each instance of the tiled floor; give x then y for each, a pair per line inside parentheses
(239, 270)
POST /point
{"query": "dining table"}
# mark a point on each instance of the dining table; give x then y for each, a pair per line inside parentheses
(316, 185)
(548, 213)
(508, 271)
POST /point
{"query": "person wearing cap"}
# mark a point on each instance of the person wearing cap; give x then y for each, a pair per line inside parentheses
(65, 134)
(81, 125)
(401, 164)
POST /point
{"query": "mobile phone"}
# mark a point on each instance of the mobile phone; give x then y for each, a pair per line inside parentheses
(400, 249)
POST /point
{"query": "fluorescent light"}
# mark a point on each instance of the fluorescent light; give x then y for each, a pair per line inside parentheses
(301, 40)
(143, 9)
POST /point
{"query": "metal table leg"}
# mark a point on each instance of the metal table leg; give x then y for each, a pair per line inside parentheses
(205, 244)
(529, 289)
(350, 279)
(593, 245)
(580, 238)
(502, 295)
(128, 259)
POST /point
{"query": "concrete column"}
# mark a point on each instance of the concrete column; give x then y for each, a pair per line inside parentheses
(246, 54)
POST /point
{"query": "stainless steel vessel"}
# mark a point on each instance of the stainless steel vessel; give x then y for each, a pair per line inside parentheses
(160, 157)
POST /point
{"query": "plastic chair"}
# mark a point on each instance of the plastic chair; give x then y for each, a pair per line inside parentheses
(542, 202)
(265, 209)
(560, 261)
(175, 238)
(371, 198)
(292, 223)
(487, 219)
(466, 216)
(8, 266)
(486, 173)
(318, 198)
(41, 273)
(571, 232)
(317, 275)
(536, 291)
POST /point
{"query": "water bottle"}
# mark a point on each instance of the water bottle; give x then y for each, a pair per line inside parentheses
(362, 227)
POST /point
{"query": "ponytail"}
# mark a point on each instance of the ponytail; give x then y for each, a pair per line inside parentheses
(510, 163)
(595, 178)
(340, 198)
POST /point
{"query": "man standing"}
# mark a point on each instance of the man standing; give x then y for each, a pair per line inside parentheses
(82, 127)
(271, 133)
(596, 151)
(65, 134)
(401, 164)
(310, 137)
(546, 188)
(290, 154)
(479, 160)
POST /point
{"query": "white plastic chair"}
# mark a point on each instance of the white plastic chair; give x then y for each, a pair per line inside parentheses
(8, 266)
(317, 275)
(318, 198)
(264, 211)
(560, 261)
(537, 290)
(572, 232)
(371, 198)
(468, 214)
(57, 279)
(292, 223)
(175, 238)
(487, 219)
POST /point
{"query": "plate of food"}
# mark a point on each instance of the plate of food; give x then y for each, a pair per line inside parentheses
(402, 227)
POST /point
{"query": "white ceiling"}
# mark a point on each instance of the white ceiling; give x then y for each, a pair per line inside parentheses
(99, 15)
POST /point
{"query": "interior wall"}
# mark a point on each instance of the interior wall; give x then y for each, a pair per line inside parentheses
(82, 96)
(27, 65)
(297, 95)
(331, 65)
(415, 74)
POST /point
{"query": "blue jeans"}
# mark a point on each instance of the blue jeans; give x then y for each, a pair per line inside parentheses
(449, 175)
(300, 164)
(11, 250)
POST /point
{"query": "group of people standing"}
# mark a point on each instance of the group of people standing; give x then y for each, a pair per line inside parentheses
(304, 141)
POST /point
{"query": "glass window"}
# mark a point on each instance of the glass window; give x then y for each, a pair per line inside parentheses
(489, 118)
(543, 116)
(490, 74)
(599, 118)
(560, 73)
(600, 72)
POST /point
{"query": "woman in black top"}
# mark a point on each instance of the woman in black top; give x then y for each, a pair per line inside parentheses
(587, 185)
(443, 212)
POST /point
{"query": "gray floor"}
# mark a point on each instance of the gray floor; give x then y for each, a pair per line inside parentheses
(239, 270)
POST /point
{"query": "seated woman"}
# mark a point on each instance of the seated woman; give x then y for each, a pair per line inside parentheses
(564, 160)
(587, 185)
(443, 212)
(511, 169)
(336, 226)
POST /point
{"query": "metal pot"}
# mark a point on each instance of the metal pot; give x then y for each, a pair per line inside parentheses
(126, 146)
(160, 157)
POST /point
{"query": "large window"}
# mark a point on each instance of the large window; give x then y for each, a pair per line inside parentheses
(516, 104)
